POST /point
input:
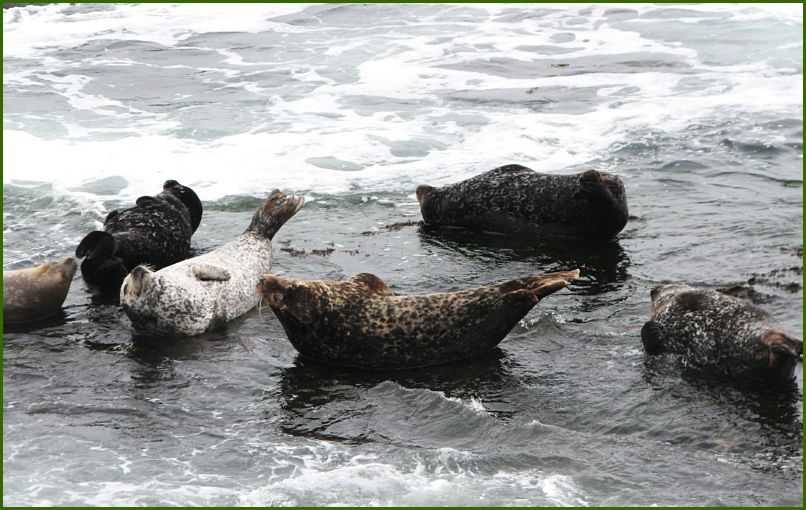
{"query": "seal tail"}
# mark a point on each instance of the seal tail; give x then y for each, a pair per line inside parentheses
(275, 211)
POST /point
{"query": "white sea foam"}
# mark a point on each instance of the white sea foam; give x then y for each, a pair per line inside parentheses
(332, 147)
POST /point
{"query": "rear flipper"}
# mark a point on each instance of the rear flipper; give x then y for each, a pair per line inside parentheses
(101, 268)
(275, 211)
(652, 338)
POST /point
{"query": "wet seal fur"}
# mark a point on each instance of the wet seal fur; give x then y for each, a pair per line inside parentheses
(720, 333)
(38, 292)
(156, 231)
(360, 323)
(517, 200)
(206, 292)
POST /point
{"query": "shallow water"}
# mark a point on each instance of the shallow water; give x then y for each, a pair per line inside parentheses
(697, 108)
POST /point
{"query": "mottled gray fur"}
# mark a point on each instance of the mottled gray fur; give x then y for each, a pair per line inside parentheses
(205, 292)
(38, 292)
(516, 199)
(358, 322)
(721, 333)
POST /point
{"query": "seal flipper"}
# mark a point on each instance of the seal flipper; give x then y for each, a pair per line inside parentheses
(652, 338)
(144, 201)
(692, 301)
(372, 283)
(275, 211)
(207, 272)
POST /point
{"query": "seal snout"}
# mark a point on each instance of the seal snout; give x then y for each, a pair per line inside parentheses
(422, 190)
(272, 289)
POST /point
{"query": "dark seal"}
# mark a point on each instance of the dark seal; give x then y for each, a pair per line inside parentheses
(720, 333)
(517, 200)
(156, 231)
(360, 323)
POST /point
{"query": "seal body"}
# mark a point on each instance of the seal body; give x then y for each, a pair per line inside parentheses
(36, 293)
(517, 200)
(205, 292)
(360, 323)
(156, 231)
(720, 333)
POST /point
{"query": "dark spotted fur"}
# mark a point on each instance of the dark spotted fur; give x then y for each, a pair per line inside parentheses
(720, 333)
(516, 199)
(360, 323)
(156, 231)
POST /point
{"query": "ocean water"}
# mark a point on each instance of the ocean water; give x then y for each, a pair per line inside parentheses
(697, 107)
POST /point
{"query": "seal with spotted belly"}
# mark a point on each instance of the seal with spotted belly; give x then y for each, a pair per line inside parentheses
(38, 292)
(205, 292)
(156, 231)
(515, 199)
(720, 333)
(360, 323)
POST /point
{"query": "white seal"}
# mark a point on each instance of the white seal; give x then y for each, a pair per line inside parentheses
(206, 292)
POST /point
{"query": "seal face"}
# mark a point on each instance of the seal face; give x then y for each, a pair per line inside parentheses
(720, 333)
(36, 293)
(156, 231)
(516, 199)
(205, 292)
(360, 323)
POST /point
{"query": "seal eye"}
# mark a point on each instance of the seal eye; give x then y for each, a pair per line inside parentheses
(125, 288)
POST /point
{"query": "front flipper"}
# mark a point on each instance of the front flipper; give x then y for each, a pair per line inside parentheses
(210, 273)
(652, 338)
(692, 300)
(145, 201)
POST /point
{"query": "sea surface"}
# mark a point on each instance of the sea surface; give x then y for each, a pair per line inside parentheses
(698, 108)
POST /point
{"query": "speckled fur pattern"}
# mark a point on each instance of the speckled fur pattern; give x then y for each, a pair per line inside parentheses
(360, 323)
(206, 292)
(516, 199)
(720, 333)
(156, 231)
(38, 292)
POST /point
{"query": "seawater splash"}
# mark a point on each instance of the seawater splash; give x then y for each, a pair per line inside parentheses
(459, 103)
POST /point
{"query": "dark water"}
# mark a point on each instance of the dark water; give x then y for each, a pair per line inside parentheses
(566, 411)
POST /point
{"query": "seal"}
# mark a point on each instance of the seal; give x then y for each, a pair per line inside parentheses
(360, 323)
(156, 231)
(514, 199)
(720, 333)
(37, 292)
(204, 293)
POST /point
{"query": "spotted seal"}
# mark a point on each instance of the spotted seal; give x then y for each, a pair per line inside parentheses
(156, 231)
(516, 199)
(720, 333)
(37, 292)
(360, 323)
(205, 292)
